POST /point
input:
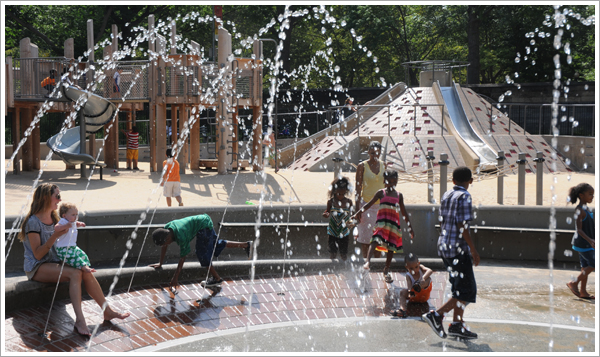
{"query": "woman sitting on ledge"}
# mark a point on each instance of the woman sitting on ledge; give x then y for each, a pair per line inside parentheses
(38, 233)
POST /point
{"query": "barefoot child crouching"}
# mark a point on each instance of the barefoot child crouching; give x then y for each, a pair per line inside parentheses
(339, 209)
(66, 245)
(208, 246)
(418, 284)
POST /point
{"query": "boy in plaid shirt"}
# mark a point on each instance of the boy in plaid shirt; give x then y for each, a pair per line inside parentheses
(458, 252)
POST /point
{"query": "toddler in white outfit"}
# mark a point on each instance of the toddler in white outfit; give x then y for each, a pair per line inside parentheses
(66, 245)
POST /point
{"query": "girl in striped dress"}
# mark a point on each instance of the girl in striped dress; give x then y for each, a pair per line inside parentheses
(387, 235)
(339, 210)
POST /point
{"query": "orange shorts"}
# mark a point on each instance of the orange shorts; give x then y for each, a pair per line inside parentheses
(132, 154)
(421, 296)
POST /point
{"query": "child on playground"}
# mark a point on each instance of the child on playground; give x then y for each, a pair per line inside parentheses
(66, 245)
(584, 240)
(339, 210)
(117, 83)
(457, 250)
(171, 181)
(182, 232)
(418, 284)
(49, 82)
(133, 138)
(387, 235)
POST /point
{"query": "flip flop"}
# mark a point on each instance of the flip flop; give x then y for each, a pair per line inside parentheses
(575, 292)
(589, 297)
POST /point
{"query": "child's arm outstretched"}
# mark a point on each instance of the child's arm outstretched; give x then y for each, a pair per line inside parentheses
(405, 215)
(582, 214)
(377, 196)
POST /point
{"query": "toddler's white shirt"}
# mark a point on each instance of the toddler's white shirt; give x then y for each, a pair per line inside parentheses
(68, 239)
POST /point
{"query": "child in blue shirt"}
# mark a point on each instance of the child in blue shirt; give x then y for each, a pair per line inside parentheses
(584, 240)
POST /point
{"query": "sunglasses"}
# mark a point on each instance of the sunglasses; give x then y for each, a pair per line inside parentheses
(58, 196)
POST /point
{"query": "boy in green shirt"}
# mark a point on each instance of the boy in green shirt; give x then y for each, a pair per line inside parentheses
(182, 232)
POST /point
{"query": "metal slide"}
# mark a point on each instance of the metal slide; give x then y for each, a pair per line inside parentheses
(487, 156)
(96, 112)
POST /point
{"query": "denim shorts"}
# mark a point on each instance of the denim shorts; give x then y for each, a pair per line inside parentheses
(462, 277)
(207, 246)
(588, 259)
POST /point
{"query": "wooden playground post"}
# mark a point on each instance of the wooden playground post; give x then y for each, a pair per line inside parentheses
(27, 148)
(256, 159)
(224, 111)
(195, 144)
(35, 139)
(161, 106)
(70, 54)
(111, 146)
(16, 137)
(151, 94)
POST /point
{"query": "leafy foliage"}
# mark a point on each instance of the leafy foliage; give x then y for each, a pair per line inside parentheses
(337, 46)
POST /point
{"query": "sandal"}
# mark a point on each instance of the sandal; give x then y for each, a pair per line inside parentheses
(589, 297)
(388, 278)
(574, 291)
(399, 313)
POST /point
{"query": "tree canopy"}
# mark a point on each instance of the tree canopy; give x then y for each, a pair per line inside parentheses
(344, 45)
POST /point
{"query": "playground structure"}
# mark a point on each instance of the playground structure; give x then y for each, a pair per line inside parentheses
(413, 123)
(184, 82)
(436, 117)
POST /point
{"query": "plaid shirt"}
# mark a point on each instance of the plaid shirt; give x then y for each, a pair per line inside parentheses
(455, 209)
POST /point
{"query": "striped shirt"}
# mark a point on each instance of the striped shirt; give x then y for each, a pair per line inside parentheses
(338, 222)
(133, 140)
(455, 209)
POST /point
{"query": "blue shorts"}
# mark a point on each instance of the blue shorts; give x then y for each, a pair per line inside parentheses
(206, 244)
(462, 278)
(588, 259)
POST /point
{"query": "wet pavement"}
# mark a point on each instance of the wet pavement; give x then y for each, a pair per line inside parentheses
(327, 312)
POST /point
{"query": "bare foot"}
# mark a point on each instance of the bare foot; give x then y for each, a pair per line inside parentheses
(82, 329)
(109, 314)
(88, 269)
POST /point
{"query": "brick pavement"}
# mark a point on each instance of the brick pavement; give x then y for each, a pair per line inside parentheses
(158, 316)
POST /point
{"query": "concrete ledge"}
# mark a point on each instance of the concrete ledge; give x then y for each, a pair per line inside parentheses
(21, 293)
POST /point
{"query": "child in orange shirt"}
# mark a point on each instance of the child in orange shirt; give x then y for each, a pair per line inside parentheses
(171, 180)
(418, 283)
